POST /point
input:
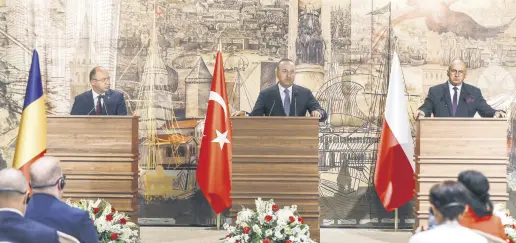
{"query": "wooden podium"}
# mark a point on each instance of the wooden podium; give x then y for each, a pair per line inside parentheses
(99, 156)
(277, 158)
(447, 146)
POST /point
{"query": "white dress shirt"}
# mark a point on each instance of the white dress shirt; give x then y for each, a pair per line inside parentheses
(459, 87)
(95, 95)
(448, 232)
(282, 93)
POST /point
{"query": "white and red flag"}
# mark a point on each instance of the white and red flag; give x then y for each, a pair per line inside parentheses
(214, 167)
(394, 174)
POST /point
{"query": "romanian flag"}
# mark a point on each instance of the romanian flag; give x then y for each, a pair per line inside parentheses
(32, 133)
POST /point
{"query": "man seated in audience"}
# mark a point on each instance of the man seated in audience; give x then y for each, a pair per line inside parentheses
(479, 212)
(45, 206)
(448, 201)
(14, 227)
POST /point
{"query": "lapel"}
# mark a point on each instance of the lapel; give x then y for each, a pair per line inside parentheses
(294, 100)
(447, 98)
(278, 97)
(462, 105)
(89, 100)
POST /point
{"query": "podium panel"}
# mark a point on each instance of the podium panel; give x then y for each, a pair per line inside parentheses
(447, 146)
(277, 158)
(99, 156)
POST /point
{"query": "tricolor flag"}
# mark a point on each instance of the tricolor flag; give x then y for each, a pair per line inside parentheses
(394, 174)
(32, 133)
(214, 166)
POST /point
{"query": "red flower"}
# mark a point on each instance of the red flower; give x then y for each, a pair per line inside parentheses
(288, 241)
(300, 220)
(228, 236)
(267, 241)
(123, 221)
(113, 209)
(109, 217)
(114, 236)
(237, 241)
(96, 210)
(275, 208)
(511, 241)
(292, 219)
(246, 230)
(268, 218)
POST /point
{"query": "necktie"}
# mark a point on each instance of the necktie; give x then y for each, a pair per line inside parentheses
(454, 100)
(286, 102)
(99, 107)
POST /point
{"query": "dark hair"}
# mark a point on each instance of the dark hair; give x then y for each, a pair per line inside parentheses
(283, 60)
(478, 186)
(449, 198)
(93, 73)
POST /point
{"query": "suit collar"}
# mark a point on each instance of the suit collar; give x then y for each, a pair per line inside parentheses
(11, 210)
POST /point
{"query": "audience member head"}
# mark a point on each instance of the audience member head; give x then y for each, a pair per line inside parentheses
(457, 72)
(14, 189)
(448, 200)
(478, 186)
(286, 72)
(100, 80)
(46, 177)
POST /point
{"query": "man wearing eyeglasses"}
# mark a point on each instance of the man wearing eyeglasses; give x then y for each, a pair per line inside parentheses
(100, 100)
(47, 182)
(454, 98)
(14, 227)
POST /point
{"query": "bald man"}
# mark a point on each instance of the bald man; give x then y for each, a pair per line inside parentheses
(100, 99)
(454, 98)
(45, 206)
(13, 226)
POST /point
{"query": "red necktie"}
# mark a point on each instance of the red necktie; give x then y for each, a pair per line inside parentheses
(99, 107)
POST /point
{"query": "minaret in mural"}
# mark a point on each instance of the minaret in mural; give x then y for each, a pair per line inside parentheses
(197, 86)
(81, 63)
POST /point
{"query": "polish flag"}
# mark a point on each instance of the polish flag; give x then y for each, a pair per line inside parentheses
(394, 174)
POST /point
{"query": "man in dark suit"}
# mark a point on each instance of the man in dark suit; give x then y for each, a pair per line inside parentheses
(13, 199)
(45, 206)
(286, 98)
(100, 99)
(454, 98)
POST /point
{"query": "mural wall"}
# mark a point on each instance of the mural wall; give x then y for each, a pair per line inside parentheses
(161, 55)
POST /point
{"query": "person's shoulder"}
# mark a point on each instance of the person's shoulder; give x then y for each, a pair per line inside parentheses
(40, 230)
(269, 89)
(438, 86)
(301, 88)
(83, 94)
(470, 88)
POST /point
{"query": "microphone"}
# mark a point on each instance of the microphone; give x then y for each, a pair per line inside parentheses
(295, 103)
(91, 110)
(273, 103)
(105, 105)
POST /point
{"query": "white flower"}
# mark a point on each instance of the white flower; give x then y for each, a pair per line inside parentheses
(268, 232)
(257, 229)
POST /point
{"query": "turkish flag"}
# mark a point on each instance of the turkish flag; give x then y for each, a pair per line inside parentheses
(214, 167)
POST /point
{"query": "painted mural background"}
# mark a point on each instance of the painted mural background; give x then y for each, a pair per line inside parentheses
(161, 55)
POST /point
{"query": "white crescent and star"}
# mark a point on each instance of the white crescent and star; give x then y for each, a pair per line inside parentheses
(221, 137)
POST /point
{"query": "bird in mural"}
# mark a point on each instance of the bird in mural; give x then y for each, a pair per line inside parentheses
(441, 19)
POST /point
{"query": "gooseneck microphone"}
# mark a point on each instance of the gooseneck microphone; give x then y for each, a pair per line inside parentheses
(105, 104)
(295, 103)
(273, 103)
(91, 111)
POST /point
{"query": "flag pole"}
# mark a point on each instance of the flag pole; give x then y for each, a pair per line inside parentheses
(220, 44)
(218, 221)
(396, 220)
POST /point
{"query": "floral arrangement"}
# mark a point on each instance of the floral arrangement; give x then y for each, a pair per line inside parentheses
(112, 226)
(268, 224)
(507, 220)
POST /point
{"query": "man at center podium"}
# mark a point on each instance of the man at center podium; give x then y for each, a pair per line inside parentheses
(286, 98)
(454, 98)
(100, 99)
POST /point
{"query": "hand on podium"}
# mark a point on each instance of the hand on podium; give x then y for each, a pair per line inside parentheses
(500, 114)
(316, 113)
(239, 113)
(419, 114)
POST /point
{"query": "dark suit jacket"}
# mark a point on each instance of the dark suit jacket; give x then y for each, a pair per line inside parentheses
(17, 229)
(114, 104)
(54, 213)
(269, 103)
(439, 103)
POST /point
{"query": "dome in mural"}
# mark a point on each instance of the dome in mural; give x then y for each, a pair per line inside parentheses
(339, 98)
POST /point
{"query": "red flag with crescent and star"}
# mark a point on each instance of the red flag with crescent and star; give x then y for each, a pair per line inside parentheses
(214, 166)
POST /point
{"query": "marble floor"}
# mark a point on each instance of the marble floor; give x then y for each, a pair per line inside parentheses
(210, 235)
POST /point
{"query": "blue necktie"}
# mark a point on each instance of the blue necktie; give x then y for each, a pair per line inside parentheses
(286, 103)
(454, 101)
